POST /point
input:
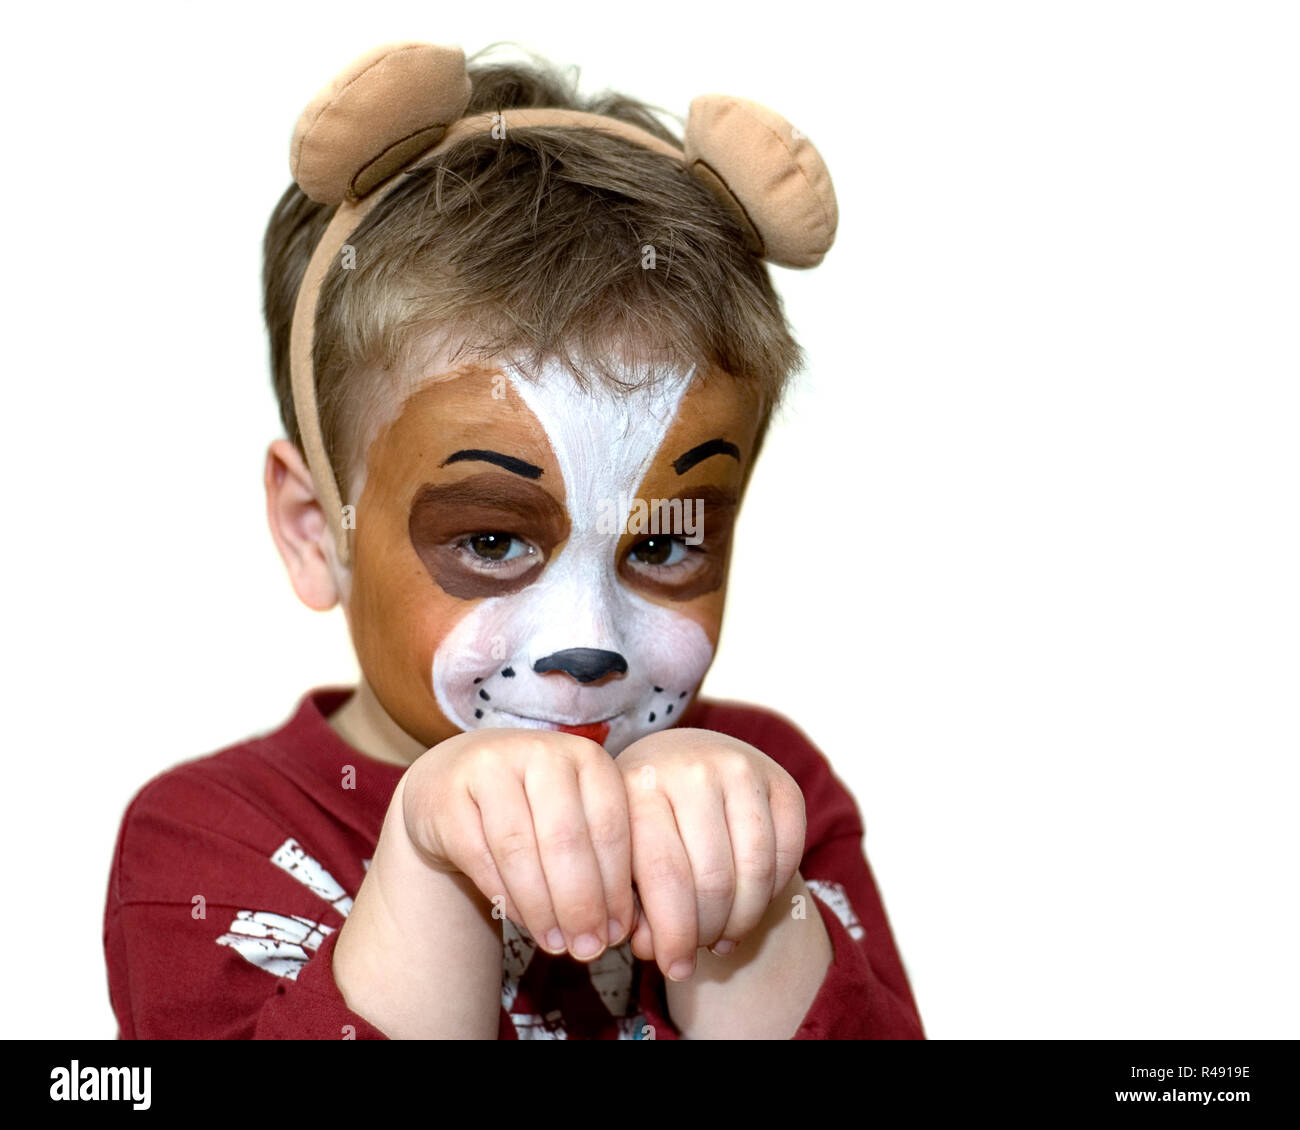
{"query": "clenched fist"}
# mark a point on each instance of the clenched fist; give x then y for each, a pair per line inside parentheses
(717, 832)
(536, 819)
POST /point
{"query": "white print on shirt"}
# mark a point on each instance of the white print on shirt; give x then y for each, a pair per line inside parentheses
(611, 977)
(274, 942)
(312, 875)
(529, 1026)
(283, 944)
(836, 900)
(611, 974)
(517, 949)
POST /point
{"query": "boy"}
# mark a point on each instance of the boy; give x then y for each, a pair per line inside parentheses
(523, 822)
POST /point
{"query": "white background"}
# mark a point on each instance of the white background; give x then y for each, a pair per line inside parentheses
(1022, 556)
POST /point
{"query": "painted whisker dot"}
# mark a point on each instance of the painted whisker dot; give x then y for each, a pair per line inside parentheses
(484, 695)
(507, 672)
(682, 695)
(478, 680)
(658, 688)
(652, 716)
(478, 714)
(670, 709)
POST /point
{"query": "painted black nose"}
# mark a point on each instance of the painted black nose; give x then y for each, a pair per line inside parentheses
(586, 664)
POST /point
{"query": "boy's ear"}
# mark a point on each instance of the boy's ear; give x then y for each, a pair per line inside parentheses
(298, 527)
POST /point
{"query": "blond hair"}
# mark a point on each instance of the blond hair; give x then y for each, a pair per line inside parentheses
(535, 245)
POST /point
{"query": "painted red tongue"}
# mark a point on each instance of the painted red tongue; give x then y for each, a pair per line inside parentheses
(596, 731)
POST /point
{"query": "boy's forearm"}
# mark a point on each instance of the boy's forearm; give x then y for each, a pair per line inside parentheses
(420, 954)
(764, 988)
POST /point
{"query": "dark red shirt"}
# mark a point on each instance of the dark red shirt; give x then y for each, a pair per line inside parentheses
(233, 873)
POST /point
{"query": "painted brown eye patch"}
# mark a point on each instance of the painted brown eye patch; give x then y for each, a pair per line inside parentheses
(718, 522)
(443, 516)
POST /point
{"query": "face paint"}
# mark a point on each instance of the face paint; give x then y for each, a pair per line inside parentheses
(439, 510)
(513, 600)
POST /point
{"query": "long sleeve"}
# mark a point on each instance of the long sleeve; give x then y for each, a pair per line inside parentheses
(219, 924)
(865, 995)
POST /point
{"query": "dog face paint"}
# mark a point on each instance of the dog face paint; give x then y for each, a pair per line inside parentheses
(491, 588)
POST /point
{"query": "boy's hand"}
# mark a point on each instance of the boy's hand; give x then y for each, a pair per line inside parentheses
(538, 821)
(717, 832)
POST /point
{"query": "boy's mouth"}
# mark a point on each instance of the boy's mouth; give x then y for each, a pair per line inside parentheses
(593, 731)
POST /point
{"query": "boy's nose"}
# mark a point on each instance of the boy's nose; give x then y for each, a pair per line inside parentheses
(586, 664)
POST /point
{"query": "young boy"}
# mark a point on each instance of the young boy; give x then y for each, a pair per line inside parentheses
(542, 366)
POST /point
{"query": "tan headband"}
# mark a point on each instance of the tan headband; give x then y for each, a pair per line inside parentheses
(402, 103)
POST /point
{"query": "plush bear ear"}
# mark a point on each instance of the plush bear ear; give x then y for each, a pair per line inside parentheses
(376, 118)
(767, 175)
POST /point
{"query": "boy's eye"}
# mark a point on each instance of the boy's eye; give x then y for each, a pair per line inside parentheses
(498, 546)
(659, 551)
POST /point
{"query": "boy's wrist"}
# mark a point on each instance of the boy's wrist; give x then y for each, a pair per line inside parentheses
(417, 941)
(401, 867)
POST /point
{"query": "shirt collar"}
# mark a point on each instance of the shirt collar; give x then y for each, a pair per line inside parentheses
(346, 782)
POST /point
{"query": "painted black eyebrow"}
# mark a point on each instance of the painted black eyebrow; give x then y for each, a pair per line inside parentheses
(509, 462)
(684, 463)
